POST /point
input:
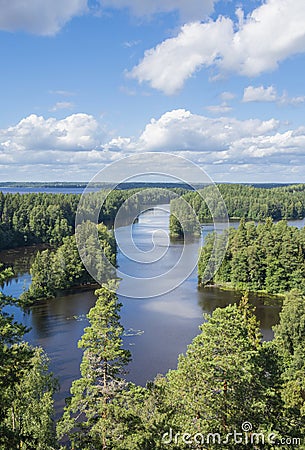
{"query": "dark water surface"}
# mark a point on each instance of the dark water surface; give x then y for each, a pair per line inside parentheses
(157, 329)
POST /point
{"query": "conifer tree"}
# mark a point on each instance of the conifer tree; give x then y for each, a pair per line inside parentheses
(289, 341)
(223, 380)
(91, 419)
(26, 387)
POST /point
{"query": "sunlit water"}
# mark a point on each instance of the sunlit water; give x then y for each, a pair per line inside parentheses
(157, 329)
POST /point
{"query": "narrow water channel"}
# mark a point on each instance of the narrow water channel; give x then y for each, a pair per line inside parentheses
(157, 329)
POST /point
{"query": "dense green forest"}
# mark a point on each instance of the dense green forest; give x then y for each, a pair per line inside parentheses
(242, 201)
(41, 218)
(50, 219)
(55, 271)
(227, 376)
(27, 219)
(26, 387)
(266, 257)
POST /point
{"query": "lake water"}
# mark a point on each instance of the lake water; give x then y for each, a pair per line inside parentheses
(157, 329)
(43, 189)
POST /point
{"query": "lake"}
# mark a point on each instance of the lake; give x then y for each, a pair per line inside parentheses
(157, 329)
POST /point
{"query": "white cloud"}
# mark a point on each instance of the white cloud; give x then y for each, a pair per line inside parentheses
(254, 45)
(259, 94)
(223, 108)
(45, 17)
(269, 94)
(62, 105)
(188, 10)
(227, 96)
(173, 61)
(34, 133)
(223, 142)
(77, 147)
(286, 100)
(181, 130)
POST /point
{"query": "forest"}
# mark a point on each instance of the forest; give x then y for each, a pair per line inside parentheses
(268, 257)
(242, 201)
(40, 218)
(27, 219)
(228, 374)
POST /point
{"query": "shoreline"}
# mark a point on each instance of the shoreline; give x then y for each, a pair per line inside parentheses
(228, 287)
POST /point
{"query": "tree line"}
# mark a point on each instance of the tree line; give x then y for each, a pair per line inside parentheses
(55, 271)
(242, 201)
(267, 257)
(37, 218)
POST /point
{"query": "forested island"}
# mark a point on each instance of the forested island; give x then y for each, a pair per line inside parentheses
(228, 375)
(268, 257)
(241, 201)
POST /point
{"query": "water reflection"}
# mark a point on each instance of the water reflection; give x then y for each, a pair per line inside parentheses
(166, 323)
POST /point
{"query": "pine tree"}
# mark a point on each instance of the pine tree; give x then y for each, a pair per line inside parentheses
(224, 379)
(26, 387)
(29, 416)
(91, 417)
(289, 340)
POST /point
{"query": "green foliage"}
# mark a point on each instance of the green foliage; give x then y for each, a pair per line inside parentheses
(92, 417)
(228, 376)
(268, 257)
(36, 218)
(289, 341)
(26, 387)
(29, 416)
(48, 218)
(252, 203)
(222, 380)
(55, 271)
(15, 357)
(183, 222)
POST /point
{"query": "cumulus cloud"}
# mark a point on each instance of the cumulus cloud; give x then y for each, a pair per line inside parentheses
(286, 100)
(259, 94)
(182, 130)
(173, 61)
(222, 145)
(34, 133)
(231, 47)
(45, 17)
(269, 94)
(188, 10)
(219, 141)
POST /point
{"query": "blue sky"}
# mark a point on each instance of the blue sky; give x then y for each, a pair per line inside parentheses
(83, 84)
